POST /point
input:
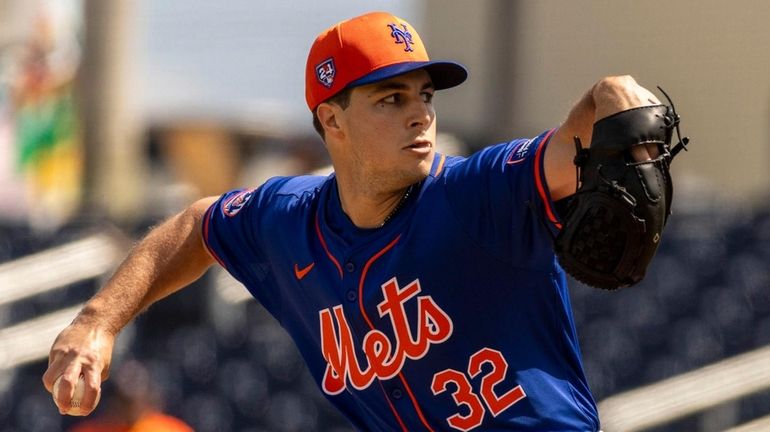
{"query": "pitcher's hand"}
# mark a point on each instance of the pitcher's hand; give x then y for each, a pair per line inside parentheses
(79, 350)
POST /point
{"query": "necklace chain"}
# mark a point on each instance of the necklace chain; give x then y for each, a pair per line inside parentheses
(398, 206)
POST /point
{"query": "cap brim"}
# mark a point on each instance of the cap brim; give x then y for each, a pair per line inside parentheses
(444, 74)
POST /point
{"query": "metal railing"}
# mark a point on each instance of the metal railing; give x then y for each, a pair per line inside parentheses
(689, 393)
(58, 267)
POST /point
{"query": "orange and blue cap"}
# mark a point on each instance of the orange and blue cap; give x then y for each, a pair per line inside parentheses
(370, 48)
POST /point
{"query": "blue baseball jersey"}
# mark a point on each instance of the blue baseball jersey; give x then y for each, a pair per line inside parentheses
(454, 315)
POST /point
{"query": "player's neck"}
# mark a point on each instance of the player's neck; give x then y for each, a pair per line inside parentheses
(368, 209)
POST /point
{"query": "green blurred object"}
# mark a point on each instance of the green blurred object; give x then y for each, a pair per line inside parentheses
(44, 124)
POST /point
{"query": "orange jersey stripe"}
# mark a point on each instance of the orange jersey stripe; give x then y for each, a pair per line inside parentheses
(326, 248)
(363, 277)
(539, 181)
(440, 165)
(206, 237)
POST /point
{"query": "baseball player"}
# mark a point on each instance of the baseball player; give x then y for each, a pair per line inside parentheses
(423, 290)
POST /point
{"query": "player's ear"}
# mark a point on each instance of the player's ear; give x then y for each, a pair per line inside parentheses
(328, 117)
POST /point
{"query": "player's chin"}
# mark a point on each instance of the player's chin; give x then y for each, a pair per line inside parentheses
(421, 169)
(414, 163)
(405, 173)
(418, 161)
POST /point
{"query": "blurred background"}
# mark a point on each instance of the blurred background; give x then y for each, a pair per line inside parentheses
(116, 114)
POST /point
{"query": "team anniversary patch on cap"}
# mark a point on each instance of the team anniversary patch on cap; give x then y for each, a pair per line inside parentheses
(325, 72)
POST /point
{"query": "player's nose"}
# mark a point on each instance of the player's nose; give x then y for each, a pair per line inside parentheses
(421, 114)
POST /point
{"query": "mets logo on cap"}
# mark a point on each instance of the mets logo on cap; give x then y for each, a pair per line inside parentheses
(402, 36)
(325, 72)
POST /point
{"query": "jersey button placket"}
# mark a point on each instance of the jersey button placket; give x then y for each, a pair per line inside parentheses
(350, 292)
(351, 295)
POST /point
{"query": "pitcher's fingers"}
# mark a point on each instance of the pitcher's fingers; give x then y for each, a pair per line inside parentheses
(93, 387)
(57, 363)
(58, 359)
(66, 388)
(54, 371)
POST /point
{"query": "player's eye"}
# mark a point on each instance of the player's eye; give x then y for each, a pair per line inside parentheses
(391, 99)
(427, 97)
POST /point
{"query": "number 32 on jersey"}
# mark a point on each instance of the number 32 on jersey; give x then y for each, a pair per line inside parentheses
(464, 394)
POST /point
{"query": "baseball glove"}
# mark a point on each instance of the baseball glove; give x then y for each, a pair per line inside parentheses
(614, 222)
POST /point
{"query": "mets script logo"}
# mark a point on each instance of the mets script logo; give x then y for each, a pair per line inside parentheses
(402, 36)
(384, 357)
(325, 72)
(519, 152)
(234, 204)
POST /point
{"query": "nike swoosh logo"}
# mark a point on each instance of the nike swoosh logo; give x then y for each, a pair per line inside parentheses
(301, 273)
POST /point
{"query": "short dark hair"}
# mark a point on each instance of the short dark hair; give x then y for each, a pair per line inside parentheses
(342, 99)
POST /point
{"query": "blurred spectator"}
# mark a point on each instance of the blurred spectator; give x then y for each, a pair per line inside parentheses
(134, 405)
(44, 118)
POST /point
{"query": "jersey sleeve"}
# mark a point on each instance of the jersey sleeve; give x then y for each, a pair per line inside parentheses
(230, 227)
(500, 196)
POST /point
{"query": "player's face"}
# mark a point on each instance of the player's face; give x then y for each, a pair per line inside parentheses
(391, 130)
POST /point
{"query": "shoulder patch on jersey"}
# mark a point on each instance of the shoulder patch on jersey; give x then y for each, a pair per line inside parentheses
(234, 204)
(519, 152)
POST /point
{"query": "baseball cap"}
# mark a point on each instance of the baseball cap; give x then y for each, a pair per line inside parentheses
(370, 48)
